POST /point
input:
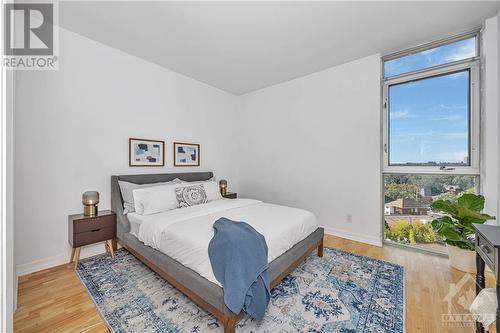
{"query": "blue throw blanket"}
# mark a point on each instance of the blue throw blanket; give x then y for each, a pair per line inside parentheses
(238, 254)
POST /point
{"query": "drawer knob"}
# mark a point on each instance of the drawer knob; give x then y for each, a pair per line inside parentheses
(485, 249)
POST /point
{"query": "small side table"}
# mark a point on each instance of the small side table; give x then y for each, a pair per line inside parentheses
(487, 252)
(84, 230)
(230, 195)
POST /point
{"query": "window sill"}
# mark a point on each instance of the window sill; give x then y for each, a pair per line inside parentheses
(430, 170)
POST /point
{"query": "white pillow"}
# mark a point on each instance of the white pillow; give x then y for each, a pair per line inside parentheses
(158, 199)
(128, 198)
(155, 199)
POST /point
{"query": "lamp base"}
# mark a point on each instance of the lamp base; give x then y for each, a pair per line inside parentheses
(90, 210)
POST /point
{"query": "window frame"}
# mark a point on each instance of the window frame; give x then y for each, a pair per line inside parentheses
(471, 64)
(425, 47)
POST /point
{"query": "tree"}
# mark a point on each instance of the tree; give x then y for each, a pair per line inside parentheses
(437, 183)
(411, 233)
(396, 179)
(446, 196)
(453, 197)
(402, 191)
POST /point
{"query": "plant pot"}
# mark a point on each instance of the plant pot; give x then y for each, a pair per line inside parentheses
(463, 260)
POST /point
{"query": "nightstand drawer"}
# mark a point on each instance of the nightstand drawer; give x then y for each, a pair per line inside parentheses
(93, 236)
(485, 250)
(92, 223)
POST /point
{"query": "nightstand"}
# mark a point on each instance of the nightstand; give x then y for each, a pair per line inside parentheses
(487, 254)
(84, 230)
(230, 195)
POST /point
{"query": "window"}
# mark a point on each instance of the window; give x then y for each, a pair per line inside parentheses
(429, 121)
(430, 135)
(407, 206)
(455, 51)
(431, 116)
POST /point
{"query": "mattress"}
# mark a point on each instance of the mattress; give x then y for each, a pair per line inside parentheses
(184, 234)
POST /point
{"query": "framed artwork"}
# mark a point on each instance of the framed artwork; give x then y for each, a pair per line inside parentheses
(143, 152)
(186, 154)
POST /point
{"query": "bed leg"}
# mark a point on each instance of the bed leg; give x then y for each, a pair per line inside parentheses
(114, 245)
(320, 248)
(230, 326)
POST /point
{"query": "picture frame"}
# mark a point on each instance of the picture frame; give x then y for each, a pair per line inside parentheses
(186, 154)
(146, 153)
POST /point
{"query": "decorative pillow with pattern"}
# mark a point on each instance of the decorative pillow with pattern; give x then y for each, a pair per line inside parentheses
(193, 195)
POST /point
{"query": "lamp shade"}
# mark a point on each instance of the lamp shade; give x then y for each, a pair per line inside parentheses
(223, 186)
(90, 198)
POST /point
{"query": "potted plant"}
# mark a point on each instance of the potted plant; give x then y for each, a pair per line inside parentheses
(456, 227)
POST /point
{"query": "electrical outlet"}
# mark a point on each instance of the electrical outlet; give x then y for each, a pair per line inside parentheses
(348, 218)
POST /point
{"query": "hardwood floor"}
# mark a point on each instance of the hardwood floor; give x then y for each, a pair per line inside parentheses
(429, 280)
(54, 300)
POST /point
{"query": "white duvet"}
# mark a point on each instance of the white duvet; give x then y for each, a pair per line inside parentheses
(184, 233)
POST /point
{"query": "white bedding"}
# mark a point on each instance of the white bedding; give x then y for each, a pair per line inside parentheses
(135, 221)
(184, 234)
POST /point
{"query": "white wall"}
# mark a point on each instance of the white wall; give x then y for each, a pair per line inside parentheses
(498, 107)
(314, 143)
(490, 118)
(8, 276)
(71, 134)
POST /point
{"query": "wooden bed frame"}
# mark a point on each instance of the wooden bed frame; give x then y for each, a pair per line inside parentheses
(228, 319)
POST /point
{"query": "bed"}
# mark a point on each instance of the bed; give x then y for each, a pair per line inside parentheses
(195, 280)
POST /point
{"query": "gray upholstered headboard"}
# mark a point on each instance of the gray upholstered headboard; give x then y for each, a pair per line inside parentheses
(123, 224)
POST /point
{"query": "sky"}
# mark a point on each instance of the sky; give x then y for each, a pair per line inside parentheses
(429, 118)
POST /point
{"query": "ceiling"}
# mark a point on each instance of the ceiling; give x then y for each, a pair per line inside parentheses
(244, 46)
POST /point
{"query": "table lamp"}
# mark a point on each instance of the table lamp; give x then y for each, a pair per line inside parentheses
(223, 186)
(90, 199)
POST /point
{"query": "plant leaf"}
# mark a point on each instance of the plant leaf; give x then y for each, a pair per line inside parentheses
(445, 227)
(467, 216)
(457, 228)
(471, 201)
(445, 206)
(467, 245)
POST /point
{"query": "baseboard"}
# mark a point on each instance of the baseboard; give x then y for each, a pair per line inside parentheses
(16, 285)
(368, 239)
(60, 259)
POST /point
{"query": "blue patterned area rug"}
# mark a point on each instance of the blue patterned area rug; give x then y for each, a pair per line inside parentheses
(341, 292)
